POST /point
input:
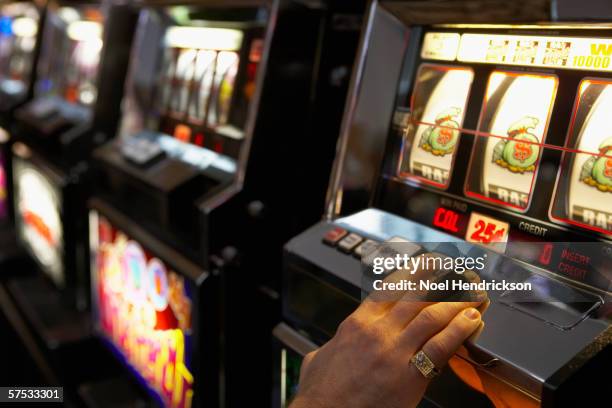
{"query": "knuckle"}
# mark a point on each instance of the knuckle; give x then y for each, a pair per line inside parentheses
(429, 317)
(308, 358)
(350, 324)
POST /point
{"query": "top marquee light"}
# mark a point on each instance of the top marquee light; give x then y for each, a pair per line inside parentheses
(207, 38)
(592, 54)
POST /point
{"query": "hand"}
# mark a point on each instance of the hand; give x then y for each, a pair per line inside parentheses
(367, 363)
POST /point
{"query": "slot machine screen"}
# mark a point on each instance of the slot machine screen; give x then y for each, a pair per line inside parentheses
(514, 117)
(71, 54)
(438, 105)
(3, 189)
(38, 221)
(584, 188)
(500, 137)
(144, 311)
(198, 85)
(18, 29)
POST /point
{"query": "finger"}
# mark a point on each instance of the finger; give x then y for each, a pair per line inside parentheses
(441, 347)
(430, 321)
(404, 311)
(380, 302)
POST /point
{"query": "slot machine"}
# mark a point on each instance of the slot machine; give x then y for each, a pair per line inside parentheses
(484, 131)
(219, 97)
(19, 34)
(76, 98)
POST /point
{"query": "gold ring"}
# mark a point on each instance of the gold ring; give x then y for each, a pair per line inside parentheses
(424, 364)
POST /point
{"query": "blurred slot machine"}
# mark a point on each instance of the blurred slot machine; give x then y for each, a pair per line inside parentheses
(84, 50)
(481, 138)
(219, 100)
(20, 23)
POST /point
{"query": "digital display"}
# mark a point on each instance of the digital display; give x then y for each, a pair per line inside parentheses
(71, 55)
(487, 230)
(38, 217)
(144, 309)
(437, 109)
(536, 51)
(18, 29)
(513, 125)
(3, 189)
(584, 188)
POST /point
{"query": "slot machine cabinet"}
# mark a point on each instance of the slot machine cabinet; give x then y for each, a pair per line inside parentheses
(477, 128)
(196, 152)
(84, 49)
(21, 24)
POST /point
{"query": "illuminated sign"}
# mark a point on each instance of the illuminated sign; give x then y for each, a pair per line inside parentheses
(3, 192)
(446, 219)
(440, 46)
(38, 222)
(145, 311)
(537, 51)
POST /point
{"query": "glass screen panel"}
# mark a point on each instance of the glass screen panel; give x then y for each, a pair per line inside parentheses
(513, 124)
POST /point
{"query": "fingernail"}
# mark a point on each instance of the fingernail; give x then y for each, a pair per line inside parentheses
(471, 313)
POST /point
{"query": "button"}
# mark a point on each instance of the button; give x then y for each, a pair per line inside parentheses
(349, 242)
(332, 236)
(366, 247)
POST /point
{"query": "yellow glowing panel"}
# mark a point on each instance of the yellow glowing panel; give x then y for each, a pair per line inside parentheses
(440, 46)
(221, 39)
(537, 51)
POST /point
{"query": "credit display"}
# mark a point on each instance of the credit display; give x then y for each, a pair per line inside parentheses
(38, 217)
(144, 310)
(513, 124)
(438, 106)
(584, 187)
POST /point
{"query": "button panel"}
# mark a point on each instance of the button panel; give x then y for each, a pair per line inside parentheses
(334, 235)
(350, 242)
(364, 248)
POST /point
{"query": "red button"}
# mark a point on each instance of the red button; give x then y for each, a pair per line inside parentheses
(332, 236)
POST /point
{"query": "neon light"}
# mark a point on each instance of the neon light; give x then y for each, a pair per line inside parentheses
(145, 311)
